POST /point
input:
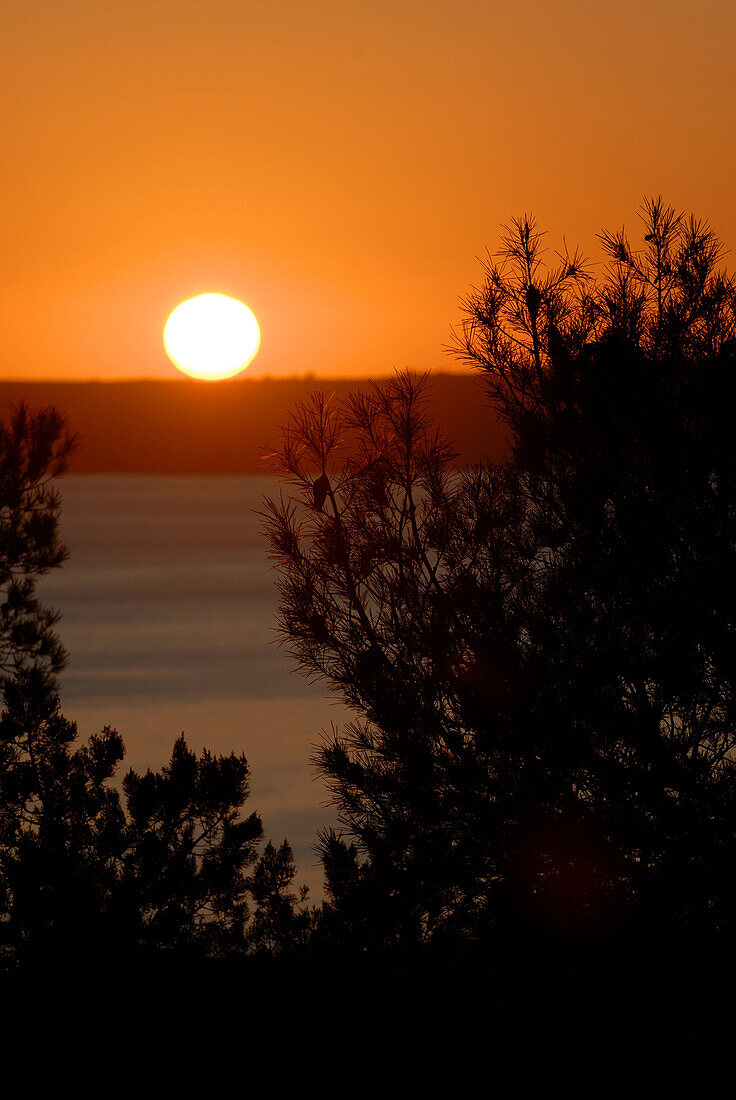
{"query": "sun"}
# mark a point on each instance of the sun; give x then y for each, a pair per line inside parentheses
(211, 337)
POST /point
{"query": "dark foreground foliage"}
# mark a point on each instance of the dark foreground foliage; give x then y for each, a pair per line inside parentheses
(170, 863)
(90, 872)
(540, 651)
(34, 449)
(465, 1019)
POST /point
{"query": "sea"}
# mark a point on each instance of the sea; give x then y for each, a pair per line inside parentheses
(168, 604)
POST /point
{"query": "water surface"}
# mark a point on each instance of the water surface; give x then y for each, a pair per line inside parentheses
(168, 604)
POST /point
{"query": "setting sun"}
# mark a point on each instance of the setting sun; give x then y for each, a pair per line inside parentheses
(211, 337)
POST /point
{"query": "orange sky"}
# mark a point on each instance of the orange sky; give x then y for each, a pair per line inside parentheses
(337, 165)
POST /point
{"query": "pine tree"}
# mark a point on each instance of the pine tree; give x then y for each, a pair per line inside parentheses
(540, 651)
(34, 449)
(281, 920)
(85, 873)
(187, 851)
(62, 831)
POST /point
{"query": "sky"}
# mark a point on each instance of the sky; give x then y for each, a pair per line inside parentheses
(339, 166)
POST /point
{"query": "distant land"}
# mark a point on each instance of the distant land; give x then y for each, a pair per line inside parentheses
(187, 427)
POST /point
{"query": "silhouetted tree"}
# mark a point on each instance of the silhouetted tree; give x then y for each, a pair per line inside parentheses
(281, 919)
(188, 848)
(34, 449)
(84, 872)
(62, 829)
(619, 400)
(541, 650)
(85, 869)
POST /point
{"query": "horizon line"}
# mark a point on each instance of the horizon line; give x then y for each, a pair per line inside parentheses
(308, 376)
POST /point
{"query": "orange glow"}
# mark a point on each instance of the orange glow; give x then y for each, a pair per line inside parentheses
(339, 166)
